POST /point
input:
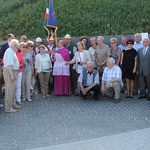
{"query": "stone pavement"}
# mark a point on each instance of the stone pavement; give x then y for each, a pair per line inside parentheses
(69, 123)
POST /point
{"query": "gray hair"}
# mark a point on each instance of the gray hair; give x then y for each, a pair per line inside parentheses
(113, 39)
(90, 63)
(123, 37)
(137, 34)
(101, 38)
(146, 39)
(13, 42)
(93, 38)
(112, 60)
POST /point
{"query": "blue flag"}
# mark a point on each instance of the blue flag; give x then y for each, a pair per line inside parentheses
(51, 20)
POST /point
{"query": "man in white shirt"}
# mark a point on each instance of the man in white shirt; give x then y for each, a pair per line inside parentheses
(89, 81)
(10, 73)
(138, 43)
(112, 80)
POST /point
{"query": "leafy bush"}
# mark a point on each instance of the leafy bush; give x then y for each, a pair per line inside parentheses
(76, 17)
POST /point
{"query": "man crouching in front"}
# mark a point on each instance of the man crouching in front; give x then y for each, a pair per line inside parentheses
(111, 80)
(89, 81)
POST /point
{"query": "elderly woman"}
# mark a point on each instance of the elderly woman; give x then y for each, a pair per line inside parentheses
(19, 77)
(26, 74)
(115, 51)
(129, 63)
(61, 72)
(30, 46)
(81, 58)
(92, 50)
(43, 66)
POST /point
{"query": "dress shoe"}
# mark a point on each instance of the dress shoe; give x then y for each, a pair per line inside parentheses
(148, 98)
(127, 96)
(17, 106)
(131, 96)
(141, 97)
(11, 111)
(117, 100)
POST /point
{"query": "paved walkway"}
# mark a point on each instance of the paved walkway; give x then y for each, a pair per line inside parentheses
(61, 122)
(136, 140)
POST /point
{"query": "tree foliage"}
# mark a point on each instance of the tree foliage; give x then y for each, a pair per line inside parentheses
(75, 17)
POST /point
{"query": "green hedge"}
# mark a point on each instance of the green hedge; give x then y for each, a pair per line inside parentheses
(77, 17)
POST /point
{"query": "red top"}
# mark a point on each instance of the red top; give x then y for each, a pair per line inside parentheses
(21, 62)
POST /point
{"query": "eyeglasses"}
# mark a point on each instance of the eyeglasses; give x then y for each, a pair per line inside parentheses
(24, 47)
(31, 46)
(130, 43)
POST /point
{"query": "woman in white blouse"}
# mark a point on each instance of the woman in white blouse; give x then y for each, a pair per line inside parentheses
(43, 66)
(80, 58)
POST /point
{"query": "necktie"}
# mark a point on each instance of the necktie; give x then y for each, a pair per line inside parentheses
(144, 51)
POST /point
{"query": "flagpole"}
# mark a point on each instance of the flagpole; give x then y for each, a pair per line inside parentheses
(56, 39)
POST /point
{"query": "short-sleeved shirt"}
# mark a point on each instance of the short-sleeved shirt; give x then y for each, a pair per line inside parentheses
(112, 73)
(102, 53)
(10, 59)
(27, 60)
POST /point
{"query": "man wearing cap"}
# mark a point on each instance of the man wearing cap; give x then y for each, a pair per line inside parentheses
(38, 42)
(72, 50)
(50, 45)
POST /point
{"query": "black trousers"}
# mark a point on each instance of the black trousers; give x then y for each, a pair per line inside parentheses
(95, 89)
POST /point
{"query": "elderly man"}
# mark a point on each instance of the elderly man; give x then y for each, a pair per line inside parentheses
(50, 45)
(144, 69)
(112, 80)
(123, 44)
(38, 42)
(89, 81)
(72, 50)
(102, 53)
(137, 45)
(10, 72)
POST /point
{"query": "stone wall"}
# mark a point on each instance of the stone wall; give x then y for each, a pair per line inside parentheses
(76, 39)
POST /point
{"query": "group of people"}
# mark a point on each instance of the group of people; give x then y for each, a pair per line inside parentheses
(68, 69)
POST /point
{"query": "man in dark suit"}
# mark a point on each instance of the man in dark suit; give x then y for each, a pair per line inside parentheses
(144, 69)
(6, 45)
